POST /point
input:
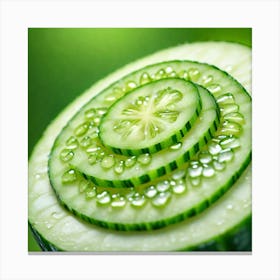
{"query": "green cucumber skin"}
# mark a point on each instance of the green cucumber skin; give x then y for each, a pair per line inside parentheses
(204, 204)
(235, 239)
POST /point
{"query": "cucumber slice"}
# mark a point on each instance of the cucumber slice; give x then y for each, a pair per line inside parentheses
(124, 171)
(205, 176)
(209, 230)
(151, 118)
(41, 195)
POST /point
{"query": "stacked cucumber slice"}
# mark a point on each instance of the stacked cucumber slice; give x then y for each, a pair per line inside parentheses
(156, 157)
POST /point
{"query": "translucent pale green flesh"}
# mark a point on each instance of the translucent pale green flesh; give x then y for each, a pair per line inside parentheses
(71, 234)
(235, 59)
(187, 105)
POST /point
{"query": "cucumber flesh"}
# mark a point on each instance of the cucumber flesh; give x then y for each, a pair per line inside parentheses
(40, 194)
(71, 234)
(151, 117)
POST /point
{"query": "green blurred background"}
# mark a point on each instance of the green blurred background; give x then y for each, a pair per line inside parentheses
(64, 62)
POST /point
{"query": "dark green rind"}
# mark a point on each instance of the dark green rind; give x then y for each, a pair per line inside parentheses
(236, 239)
(44, 244)
(200, 207)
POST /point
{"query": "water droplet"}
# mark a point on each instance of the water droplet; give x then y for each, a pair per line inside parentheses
(100, 155)
(168, 69)
(150, 192)
(129, 86)
(86, 142)
(179, 188)
(94, 135)
(193, 74)
(226, 98)
(145, 78)
(225, 155)
(194, 163)
(214, 88)
(230, 142)
(119, 167)
(178, 174)
(214, 148)
(101, 111)
(184, 75)
(69, 176)
(138, 200)
(130, 161)
(160, 74)
(83, 185)
(118, 201)
(176, 146)
(97, 121)
(38, 176)
(81, 129)
(163, 186)
(208, 171)
(235, 117)
(219, 166)
(66, 155)
(221, 137)
(207, 80)
(116, 94)
(229, 108)
(161, 199)
(195, 171)
(72, 143)
(90, 113)
(231, 128)
(205, 157)
(108, 162)
(92, 158)
(90, 193)
(172, 74)
(130, 194)
(93, 148)
(196, 181)
(144, 159)
(103, 198)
